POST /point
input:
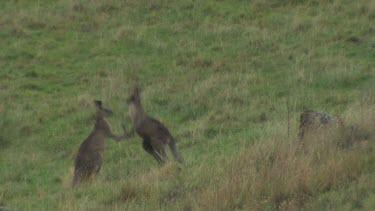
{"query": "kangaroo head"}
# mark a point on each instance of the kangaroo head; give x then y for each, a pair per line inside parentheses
(134, 97)
(136, 111)
(100, 111)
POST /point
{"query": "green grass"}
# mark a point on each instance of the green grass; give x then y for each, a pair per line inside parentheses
(219, 74)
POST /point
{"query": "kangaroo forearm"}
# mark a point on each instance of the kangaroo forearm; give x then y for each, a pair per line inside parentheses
(123, 136)
(118, 137)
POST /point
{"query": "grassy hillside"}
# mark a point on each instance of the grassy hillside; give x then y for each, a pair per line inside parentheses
(222, 75)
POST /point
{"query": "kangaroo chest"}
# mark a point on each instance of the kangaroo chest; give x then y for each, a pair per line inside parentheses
(97, 143)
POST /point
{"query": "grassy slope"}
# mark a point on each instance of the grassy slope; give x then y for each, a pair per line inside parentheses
(212, 71)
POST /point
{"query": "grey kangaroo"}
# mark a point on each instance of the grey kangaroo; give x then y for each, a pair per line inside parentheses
(310, 120)
(154, 134)
(90, 154)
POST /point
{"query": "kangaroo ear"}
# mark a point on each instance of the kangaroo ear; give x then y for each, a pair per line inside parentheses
(98, 103)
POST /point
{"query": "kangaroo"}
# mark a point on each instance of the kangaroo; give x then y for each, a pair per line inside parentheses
(90, 154)
(154, 134)
(310, 120)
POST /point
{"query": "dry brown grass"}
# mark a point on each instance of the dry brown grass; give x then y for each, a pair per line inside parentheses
(282, 173)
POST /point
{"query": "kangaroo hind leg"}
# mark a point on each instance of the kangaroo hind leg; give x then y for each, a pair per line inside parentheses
(75, 180)
(176, 154)
(148, 148)
(78, 176)
(161, 153)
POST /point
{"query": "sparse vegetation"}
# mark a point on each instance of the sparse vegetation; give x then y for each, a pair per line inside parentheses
(218, 74)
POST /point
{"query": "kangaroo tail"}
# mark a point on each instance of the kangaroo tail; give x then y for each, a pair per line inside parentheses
(172, 146)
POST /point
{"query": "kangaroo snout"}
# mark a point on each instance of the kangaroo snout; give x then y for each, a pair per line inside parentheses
(108, 112)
